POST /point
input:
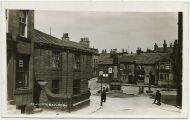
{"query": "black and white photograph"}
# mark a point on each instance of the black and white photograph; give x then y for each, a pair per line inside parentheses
(95, 63)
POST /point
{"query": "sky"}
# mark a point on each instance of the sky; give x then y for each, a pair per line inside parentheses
(109, 30)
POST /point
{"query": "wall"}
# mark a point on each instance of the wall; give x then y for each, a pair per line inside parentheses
(22, 46)
(66, 74)
(147, 69)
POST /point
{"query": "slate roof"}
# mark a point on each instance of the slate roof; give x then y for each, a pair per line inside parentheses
(45, 39)
(105, 59)
(161, 49)
(144, 58)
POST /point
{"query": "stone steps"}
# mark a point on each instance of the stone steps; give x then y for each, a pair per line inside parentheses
(11, 109)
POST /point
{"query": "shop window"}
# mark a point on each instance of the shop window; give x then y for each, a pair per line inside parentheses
(76, 87)
(55, 86)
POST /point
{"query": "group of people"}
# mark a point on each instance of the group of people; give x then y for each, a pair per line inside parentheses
(103, 95)
(156, 99)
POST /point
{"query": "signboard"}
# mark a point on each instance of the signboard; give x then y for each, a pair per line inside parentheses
(20, 63)
(109, 70)
(101, 73)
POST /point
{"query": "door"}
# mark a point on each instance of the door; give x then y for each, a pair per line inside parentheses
(130, 79)
(22, 71)
(153, 80)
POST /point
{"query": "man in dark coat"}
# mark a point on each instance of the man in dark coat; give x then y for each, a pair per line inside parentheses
(104, 95)
(157, 97)
(89, 93)
(36, 95)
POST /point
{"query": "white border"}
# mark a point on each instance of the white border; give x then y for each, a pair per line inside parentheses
(118, 6)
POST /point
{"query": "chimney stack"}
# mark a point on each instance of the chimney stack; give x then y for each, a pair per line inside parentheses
(85, 41)
(123, 50)
(165, 46)
(65, 37)
(138, 51)
(171, 45)
(155, 46)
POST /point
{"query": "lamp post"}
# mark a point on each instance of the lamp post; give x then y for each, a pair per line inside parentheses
(100, 76)
(149, 84)
(150, 80)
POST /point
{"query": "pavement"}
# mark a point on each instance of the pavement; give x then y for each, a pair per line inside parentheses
(130, 107)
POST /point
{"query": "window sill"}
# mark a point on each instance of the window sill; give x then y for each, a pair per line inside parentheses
(23, 38)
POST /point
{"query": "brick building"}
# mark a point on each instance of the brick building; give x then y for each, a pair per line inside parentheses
(65, 66)
(20, 25)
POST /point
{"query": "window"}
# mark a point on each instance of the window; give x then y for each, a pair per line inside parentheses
(164, 76)
(55, 86)
(77, 62)
(138, 67)
(161, 76)
(23, 23)
(56, 59)
(22, 71)
(76, 87)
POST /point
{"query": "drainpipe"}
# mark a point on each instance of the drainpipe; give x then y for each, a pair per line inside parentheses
(67, 80)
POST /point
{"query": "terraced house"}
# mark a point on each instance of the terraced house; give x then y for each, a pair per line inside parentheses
(155, 66)
(65, 66)
(45, 69)
(19, 31)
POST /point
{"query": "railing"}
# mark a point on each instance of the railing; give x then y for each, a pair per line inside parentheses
(80, 97)
(69, 101)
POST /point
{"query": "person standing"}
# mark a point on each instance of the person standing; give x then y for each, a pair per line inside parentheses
(157, 98)
(89, 93)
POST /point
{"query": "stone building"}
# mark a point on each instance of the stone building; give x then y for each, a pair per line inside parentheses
(95, 64)
(108, 64)
(19, 31)
(139, 67)
(65, 66)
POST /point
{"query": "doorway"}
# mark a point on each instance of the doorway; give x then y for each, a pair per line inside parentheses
(22, 71)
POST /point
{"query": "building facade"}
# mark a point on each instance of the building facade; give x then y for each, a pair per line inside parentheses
(66, 66)
(142, 67)
(20, 25)
(109, 66)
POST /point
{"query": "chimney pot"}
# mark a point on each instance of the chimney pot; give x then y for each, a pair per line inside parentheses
(65, 37)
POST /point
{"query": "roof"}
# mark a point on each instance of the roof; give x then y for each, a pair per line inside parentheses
(144, 58)
(105, 59)
(161, 49)
(45, 39)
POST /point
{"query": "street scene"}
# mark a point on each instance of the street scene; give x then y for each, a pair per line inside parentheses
(117, 104)
(95, 64)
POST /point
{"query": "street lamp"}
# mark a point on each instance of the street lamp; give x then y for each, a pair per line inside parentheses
(100, 76)
(149, 85)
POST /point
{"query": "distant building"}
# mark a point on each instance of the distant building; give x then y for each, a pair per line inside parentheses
(164, 49)
(95, 64)
(20, 26)
(139, 67)
(108, 64)
(105, 64)
(66, 66)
